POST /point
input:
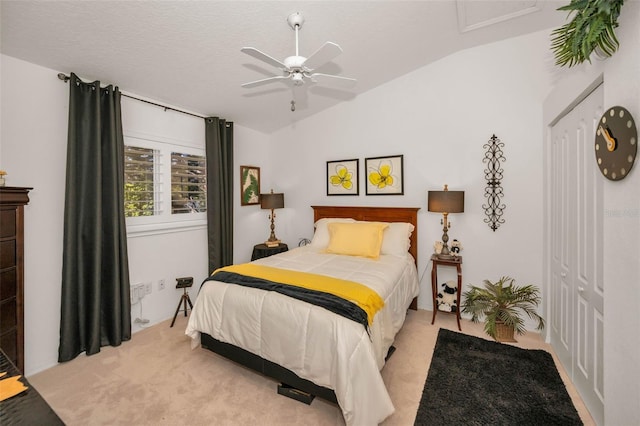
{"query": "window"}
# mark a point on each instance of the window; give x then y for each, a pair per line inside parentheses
(188, 183)
(152, 184)
(139, 190)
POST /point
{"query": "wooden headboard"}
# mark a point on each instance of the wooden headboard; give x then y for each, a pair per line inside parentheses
(377, 214)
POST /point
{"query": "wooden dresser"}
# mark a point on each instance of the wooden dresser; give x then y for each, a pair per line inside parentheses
(12, 202)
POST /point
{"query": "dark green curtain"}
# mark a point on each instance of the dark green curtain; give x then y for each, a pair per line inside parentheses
(96, 309)
(219, 147)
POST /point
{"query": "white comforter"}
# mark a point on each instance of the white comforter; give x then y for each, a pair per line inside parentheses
(316, 344)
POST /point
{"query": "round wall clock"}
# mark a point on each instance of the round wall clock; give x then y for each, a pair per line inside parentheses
(616, 143)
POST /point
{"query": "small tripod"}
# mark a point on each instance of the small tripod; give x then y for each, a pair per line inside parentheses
(183, 283)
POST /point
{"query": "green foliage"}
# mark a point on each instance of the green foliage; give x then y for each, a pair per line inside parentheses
(592, 27)
(135, 203)
(502, 301)
(251, 190)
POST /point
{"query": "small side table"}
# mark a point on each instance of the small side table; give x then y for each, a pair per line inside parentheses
(261, 250)
(435, 262)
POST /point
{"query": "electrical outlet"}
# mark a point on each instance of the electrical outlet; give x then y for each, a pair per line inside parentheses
(137, 292)
(147, 288)
(161, 284)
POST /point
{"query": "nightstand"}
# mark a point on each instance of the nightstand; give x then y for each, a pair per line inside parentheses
(455, 262)
(261, 250)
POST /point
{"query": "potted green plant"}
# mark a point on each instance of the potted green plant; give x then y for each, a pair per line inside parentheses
(502, 304)
(591, 29)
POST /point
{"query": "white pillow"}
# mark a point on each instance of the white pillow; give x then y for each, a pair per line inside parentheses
(320, 238)
(396, 239)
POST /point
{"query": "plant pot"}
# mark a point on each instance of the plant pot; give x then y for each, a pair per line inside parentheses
(504, 333)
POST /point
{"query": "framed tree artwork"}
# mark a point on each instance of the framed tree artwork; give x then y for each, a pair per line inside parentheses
(384, 175)
(342, 177)
(250, 185)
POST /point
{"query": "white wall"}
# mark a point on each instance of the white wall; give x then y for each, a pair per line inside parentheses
(621, 75)
(171, 253)
(34, 149)
(33, 152)
(251, 224)
(622, 239)
(439, 117)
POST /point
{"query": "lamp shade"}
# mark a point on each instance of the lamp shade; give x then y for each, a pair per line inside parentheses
(272, 201)
(445, 201)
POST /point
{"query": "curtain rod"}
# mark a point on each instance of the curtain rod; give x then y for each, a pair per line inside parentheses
(65, 78)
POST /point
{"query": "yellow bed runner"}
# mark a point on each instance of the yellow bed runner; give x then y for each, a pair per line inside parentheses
(367, 299)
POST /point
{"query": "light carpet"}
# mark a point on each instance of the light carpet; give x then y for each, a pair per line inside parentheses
(156, 379)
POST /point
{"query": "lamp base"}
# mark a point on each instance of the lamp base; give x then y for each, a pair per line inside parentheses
(274, 243)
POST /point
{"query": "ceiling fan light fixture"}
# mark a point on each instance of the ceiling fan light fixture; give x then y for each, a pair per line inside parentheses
(297, 68)
(294, 62)
(298, 78)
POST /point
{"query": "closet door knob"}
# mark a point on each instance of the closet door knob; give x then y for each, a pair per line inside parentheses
(580, 289)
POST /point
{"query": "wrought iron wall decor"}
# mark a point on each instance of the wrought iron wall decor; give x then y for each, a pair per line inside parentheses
(493, 191)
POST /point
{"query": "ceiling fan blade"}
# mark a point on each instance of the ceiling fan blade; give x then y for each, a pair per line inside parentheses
(333, 80)
(263, 81)
(251, 51)
(324, 54)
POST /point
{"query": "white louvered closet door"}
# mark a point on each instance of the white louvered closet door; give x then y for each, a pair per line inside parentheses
(575, 259)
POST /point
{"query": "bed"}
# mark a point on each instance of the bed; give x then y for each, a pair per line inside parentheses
(306, 347)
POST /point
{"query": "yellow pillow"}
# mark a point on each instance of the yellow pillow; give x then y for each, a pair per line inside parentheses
(356, 239)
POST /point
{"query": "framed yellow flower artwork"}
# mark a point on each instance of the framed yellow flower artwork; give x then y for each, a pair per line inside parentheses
(342, 177)
(384, 175)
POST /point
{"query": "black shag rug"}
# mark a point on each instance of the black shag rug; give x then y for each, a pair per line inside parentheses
(474, 381)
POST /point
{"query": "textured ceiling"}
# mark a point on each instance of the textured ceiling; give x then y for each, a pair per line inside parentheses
(187, 54)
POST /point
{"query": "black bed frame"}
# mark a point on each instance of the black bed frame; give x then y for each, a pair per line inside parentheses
(287, 377)
(268, 368)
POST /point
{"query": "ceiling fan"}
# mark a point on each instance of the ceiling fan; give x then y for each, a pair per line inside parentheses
(297, 68)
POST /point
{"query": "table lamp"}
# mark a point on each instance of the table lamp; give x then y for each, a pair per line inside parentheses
(445, 202)
(272, 201)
